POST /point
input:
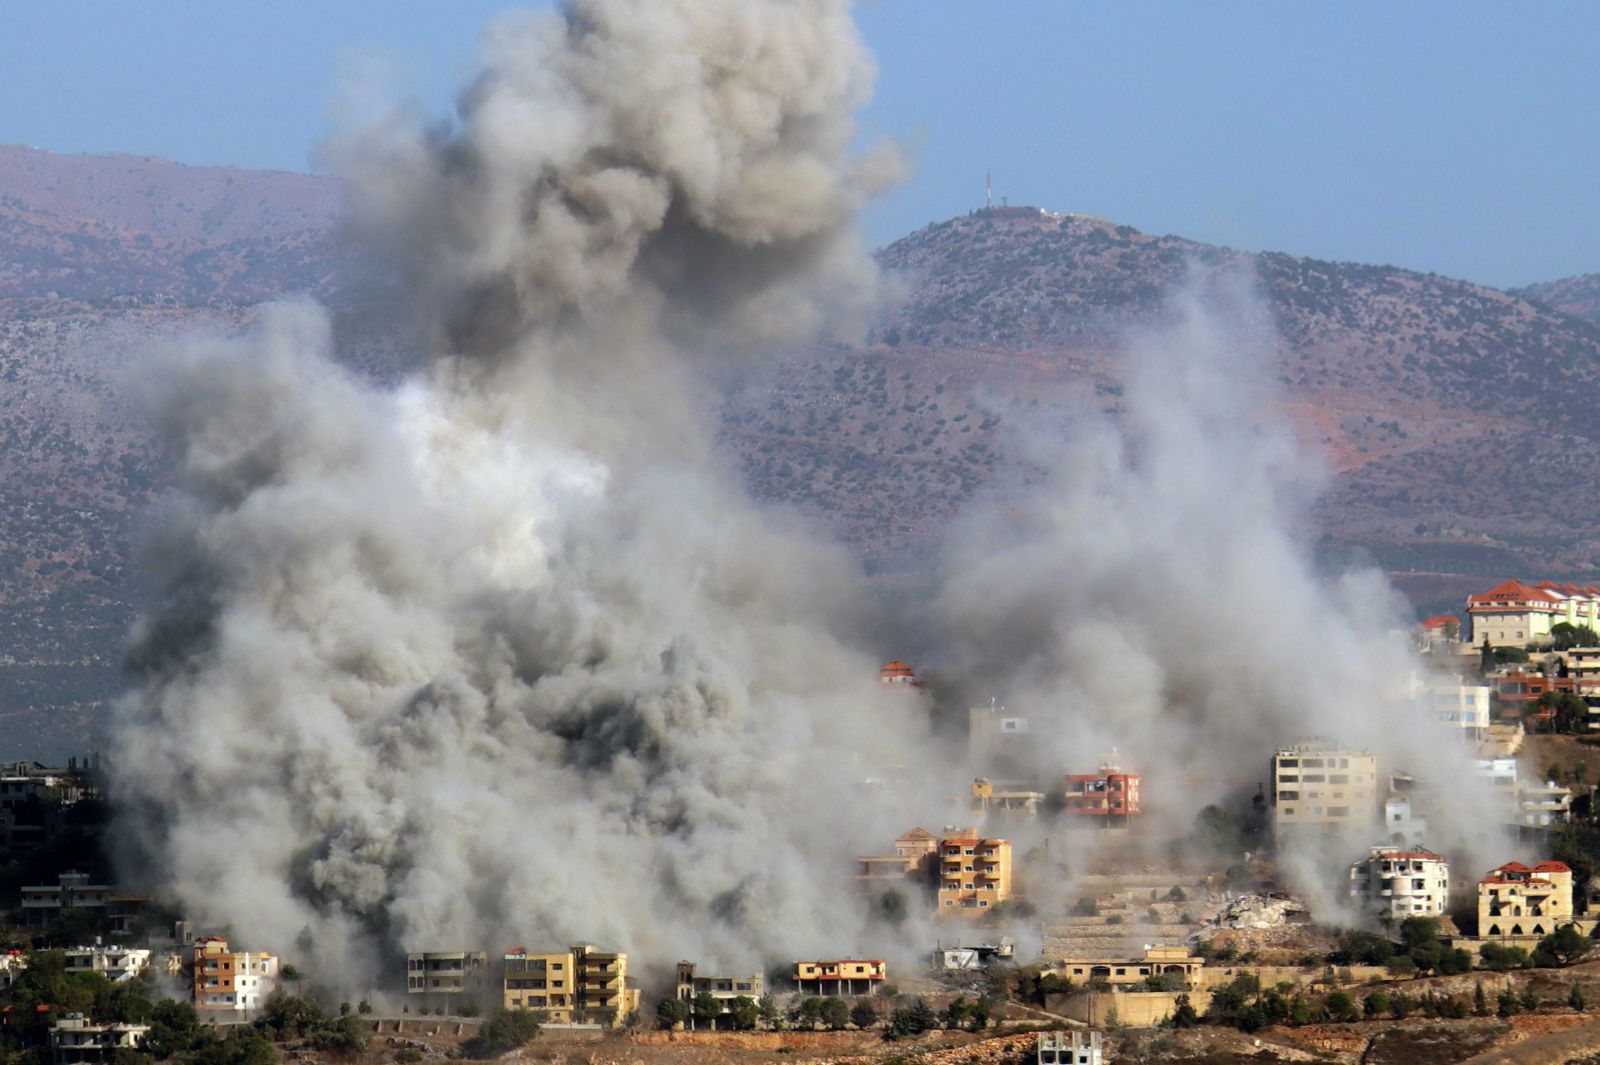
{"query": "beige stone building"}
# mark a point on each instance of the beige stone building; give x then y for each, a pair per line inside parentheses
(913, 860)
(974, 873)
(722, 988)
(1156, 961)
(581, 985)
(1515, 901)
(1317, 785)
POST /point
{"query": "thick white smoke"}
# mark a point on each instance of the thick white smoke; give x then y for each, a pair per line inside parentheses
(496, 658)
(1154, 597)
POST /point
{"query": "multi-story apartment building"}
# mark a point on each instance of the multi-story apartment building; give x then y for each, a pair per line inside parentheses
(42, 903)
(581, 985)
(1401, 883)
(231, 981)
(1515, 901)
(1108, 799)
(722, 988)
(912, 862)
(76, 1040)
(1317, 784)
(441, 979)
(974, 873)
(847, 976)
(113, 963)
(1513, 614)
(1464, 707)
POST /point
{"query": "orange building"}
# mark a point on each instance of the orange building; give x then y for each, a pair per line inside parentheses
(974, 873)
(1109, 798)
(231, 980)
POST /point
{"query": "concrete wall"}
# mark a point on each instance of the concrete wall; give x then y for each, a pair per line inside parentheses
(1134, 1009)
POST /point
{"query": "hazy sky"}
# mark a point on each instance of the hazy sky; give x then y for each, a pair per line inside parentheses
(1453, 137)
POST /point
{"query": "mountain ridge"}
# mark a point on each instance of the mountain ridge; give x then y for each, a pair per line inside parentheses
(1452, 414)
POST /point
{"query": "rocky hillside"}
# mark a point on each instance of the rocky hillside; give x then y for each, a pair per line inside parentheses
(1573, 295)
(1455, 416)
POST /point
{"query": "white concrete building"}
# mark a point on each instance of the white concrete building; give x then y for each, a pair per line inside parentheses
(113, 963)
(1070, 1048)
(1401, 883)
(1401, 823)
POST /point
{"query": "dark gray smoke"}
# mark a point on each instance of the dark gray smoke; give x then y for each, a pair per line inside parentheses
(494, 658)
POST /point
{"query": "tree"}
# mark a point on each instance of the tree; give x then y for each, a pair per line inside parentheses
(1508, 1005)
(1500, 958)
(982, 1010)
(347, 1037)
(864, 1014)
(1184, 1016)
(744, 1011)
(1575, 998)
(505, 1031)
(289, 1016)
(1529, 998)
(1375, 1004)
(911, 1020)
(771, 1012)
(1341, 1007)
(835, 1013)
(955, 1015)
(705, 1008)
(1480, 1001)
(891, 907)
(1086, 907)
(671, 1012)
(1566, 945)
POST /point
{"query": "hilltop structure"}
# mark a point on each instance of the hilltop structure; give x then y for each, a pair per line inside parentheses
(1399, 883)
(1516, 901)
(1514, 614)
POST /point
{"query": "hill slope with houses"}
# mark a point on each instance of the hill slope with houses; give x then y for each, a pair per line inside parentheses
(1454, 416)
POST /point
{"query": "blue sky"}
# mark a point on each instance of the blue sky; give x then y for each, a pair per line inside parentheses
(1452, 137)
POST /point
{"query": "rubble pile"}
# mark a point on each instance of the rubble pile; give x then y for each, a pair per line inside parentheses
(1260, 912)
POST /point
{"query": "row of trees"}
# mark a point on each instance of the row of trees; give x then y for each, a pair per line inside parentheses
(1245, 1005)
(745, 1013)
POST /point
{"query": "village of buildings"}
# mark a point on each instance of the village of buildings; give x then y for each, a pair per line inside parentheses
(1141, 941)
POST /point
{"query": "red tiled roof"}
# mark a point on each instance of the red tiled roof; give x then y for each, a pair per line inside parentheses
(1439, 621)
(1513, 867)
(1552, 866)
(1511, 591)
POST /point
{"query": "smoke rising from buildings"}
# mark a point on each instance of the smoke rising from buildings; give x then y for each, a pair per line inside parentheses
(1154, 597)
(502, 656)
(493, 657)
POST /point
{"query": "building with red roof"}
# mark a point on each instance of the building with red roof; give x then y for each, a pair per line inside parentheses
(1515, 901)
(897, 672)
(1514, 614)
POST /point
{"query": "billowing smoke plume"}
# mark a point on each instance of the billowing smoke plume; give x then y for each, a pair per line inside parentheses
(493, 658)
(1153, 599)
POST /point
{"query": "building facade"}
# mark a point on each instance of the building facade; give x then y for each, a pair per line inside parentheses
(1159, 961)
(1516, 901)
(913, 860)
(441, 979)
(75, 1040)
(974, 873)
(1107, 799)
(722, 988)
(1318, 785)
(227, 980)
(1069, 1048)
(847, 976)
(582, 985)
(1401, 883)
(113, 963)
(1514, 614)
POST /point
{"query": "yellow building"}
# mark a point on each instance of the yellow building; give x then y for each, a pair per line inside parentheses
(1315, 784)
(974, 873)
(913, 858)
(1157, 961)
(582, 985)
(1517, 901)
(848, 976)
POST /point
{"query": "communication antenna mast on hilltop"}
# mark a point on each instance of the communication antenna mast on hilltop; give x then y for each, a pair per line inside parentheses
(988, 190)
